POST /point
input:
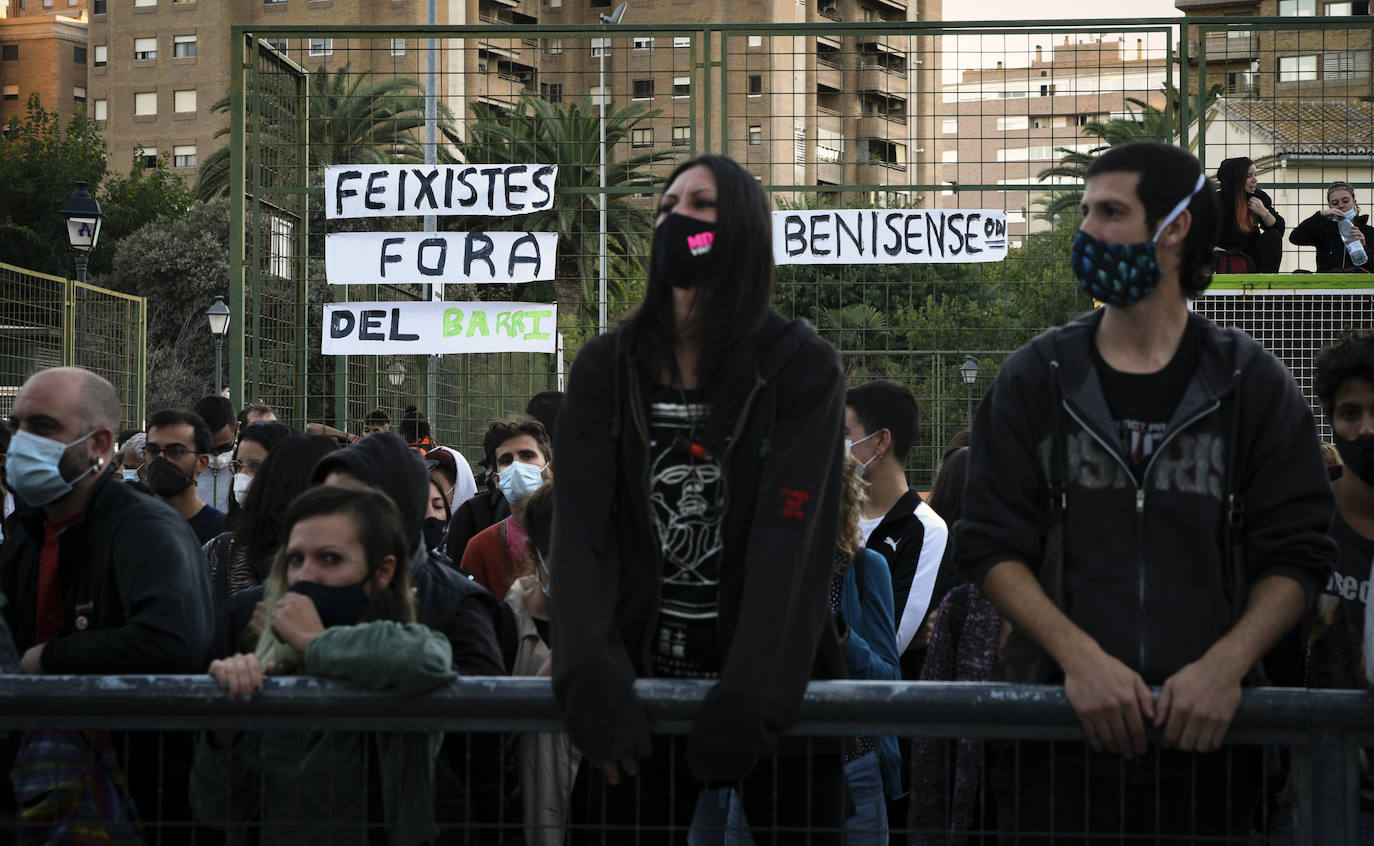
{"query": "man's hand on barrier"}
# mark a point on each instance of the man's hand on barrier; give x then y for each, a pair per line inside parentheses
(1197, 704)
(1110, 699)
(611, 770)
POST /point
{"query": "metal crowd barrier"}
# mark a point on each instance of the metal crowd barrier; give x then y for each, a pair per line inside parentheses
(1323, 729)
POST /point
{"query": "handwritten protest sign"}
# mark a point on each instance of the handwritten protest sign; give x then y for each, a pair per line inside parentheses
(437, 328)
(392, 190)
(438, 258)
(889, 236)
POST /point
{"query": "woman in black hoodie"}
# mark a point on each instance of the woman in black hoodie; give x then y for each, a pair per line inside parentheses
(1322, 229)
(1249, 223)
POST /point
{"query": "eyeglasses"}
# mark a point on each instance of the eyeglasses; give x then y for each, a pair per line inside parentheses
(173, 451)
(222, 449)
(252, 466)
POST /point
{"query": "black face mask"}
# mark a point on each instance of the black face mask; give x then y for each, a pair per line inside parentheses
(337, 606)
(1358, 456)
(682, 246)
(166, 479)
(434, 532)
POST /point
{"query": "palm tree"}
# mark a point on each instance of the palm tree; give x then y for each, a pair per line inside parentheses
(354, 119)
(568, 135)
(1145, 122)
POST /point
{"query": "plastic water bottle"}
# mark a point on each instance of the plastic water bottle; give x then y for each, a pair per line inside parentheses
(1352, 244)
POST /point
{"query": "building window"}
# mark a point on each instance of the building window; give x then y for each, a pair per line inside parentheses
(643, 43)
(274, 2)
(756, 41)
(321, 46)
(949, 156)
(682, 136)
(642, 137)
(682, 86)
(138, 3)
(1297, 68)
(145, 103)
(278, 44)
(1345, 65)
(184, 100)
(9, 92)
(1014, 122)
(755, 85)
(949, 125)
(79, 94)
(183, 46)
(552, 46)
(682, 41)
(398, 46)
(101, 109)
(101, 55)
(184, 156)
(755, 135)
(600, 47)
(9, 53)
(643, 89)
(145, 48)
(1296, 8)
(147, 154)
(79, 55)
(601, 4)
(99, 8)
(551, 91)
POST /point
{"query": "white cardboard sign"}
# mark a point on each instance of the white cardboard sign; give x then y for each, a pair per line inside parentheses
(438, 258)
(438, 328)
(889, 236)
(393, 190)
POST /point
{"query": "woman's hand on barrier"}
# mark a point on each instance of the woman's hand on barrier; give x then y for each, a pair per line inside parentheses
(296, 621)
(240, 675)
(611, 770)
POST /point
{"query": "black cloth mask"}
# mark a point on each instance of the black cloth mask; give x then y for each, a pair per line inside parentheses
(166, 479)
(1358, 456)
(682, 246)
(337, 606)
(434, 532)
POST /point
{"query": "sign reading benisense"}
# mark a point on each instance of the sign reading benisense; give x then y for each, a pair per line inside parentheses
(438, 328)
(889, 236)
(392, 190)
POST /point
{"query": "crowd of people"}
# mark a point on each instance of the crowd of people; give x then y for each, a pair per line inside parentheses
(1141, 503)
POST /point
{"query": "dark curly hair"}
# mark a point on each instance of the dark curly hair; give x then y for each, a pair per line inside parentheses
(500, 431)
(1350, 357)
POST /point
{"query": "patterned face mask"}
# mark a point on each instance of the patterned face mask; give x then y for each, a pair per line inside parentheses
(1122, 274)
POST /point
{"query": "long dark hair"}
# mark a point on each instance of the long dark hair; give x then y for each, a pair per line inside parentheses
(1235, 200)
(285, 474)
(731, 303)
(265, 435)
(947, 492)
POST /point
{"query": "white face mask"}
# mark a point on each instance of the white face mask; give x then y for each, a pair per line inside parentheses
(519, 480)
(849, 447)
(130, 475)
(221, 461)
(241, 483)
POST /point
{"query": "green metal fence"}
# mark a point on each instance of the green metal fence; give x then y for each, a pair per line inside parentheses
(920, 114)
(47, 321)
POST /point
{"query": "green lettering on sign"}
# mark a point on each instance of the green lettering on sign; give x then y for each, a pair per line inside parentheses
(503, 323)
(477, 325)
(453, 322)
(535, 316)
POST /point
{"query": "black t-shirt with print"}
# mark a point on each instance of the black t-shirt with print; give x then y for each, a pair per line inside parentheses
(1143, 403)
(686, 503)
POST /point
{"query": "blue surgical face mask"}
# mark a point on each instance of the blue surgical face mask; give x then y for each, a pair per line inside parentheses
(519, 480)
(1122, 274)
(130, 475)
(849, 447)
(34, 467)
(1350, 215)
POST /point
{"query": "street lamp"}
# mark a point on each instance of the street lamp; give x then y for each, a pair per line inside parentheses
(83, 225)
(395, 373)
(969, 371)
(218, 315)
(613, 18)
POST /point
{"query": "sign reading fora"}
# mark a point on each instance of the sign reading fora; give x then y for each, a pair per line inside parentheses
(437, 328)
(889, 236)
(393, 190)
(366, 258)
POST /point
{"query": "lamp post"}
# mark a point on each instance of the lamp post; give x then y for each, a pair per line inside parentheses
(83, 225)
(613, 18)
(218, 315)
(969, 371)
(395, 373)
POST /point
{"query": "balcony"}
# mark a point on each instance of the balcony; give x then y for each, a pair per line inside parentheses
(880, 79)
(1237, 45)
(893, 5)
(827, 75)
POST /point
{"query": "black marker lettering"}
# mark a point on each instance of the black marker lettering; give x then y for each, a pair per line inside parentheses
(841, 229)
(373, 188)
(518, 188)
(341, 323)
(935, 231)
(794, 231)
(389, 258)
(437, 269)
(340, 192)
(515, 258)
(483, 253)
(541, 177)
(372, 325)
(971, 232)
(913, 222)
(427, 188)
(895, 247)
(817, 237)
(954, 220)
(396, 333)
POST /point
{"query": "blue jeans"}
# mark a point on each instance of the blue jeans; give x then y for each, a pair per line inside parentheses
(720, 820)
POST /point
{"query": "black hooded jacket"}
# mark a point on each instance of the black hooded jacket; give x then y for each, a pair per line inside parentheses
(1324, 233)
(781, 472)
(1147, 572)
(446, 602)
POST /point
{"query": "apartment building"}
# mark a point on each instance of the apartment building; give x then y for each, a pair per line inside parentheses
(797, 110)
(1004, 125)
(42, 51)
